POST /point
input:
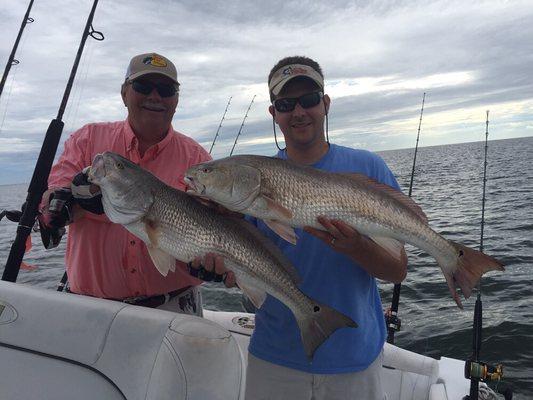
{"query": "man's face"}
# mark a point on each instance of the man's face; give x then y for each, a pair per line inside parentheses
(302, 127)
(151, 110)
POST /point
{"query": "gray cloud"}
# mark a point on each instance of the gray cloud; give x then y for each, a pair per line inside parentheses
(385, 52)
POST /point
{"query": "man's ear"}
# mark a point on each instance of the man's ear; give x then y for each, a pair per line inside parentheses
(272, 111)
(123, 93)
(327, 102)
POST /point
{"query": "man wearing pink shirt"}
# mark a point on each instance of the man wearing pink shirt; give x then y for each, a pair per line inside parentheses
(103, 259)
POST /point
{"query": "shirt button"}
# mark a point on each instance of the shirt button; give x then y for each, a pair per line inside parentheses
(132, 242)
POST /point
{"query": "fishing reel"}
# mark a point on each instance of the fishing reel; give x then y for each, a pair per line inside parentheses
(483, 371)
(392, 321)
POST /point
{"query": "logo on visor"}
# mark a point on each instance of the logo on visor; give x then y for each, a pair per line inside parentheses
(294, 70)
(155, 60)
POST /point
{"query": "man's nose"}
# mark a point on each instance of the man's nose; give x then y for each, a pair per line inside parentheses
(298, 110)
(154, 94)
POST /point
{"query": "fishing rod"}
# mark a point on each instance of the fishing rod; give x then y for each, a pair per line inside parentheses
(476, 370)
(12, 61)
(39, 180)
(393, 322)
(240, 129)
(219, 126)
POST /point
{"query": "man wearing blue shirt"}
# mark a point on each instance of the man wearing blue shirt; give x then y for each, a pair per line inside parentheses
(337, 266)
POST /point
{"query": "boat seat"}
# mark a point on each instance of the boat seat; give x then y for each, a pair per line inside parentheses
(407, 375)
(86, 348)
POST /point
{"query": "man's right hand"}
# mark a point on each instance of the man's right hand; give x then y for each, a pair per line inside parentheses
(211, 268)
(58, 212)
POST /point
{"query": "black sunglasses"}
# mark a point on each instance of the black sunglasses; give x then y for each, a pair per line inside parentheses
(288, 104)
(145, 88)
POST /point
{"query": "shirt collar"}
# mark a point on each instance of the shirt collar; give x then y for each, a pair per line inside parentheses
(132, 142)
(324, 159)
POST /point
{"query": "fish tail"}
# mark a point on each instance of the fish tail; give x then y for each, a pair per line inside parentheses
(471, 265)
(315, 328)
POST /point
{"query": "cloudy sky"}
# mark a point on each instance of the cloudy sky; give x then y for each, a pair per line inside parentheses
(379, 58)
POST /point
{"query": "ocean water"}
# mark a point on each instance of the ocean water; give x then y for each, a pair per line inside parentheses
(448, 186)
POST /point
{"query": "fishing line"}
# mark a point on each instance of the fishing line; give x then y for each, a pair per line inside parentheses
(14, 63)
(8, 96)
(80, 86)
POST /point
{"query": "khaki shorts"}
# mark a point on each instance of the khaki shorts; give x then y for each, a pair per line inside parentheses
(267, 381)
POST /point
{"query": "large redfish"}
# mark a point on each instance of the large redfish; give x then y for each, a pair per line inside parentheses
(287, 195)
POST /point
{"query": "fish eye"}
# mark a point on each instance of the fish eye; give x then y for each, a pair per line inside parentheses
(206, 170)
(120, 165)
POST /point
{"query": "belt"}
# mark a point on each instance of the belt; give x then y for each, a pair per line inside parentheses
(154, 301)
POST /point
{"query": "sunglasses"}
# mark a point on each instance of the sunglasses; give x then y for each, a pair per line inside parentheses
(145, 88)
(288, 104)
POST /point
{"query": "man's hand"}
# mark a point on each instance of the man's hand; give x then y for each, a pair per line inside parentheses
(338, 235)
(58, 209)
(362, 250)
(87, 195)
(211, 268)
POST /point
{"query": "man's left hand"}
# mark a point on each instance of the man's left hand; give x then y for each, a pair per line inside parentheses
(87, 195)
(338, 235)
(362, 250)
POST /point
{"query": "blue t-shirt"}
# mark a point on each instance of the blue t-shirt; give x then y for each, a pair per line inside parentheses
(330, 278)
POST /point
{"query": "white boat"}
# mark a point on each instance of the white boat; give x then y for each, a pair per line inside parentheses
(56, 345)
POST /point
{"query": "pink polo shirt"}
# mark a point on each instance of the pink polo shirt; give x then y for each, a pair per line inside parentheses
(103, 259)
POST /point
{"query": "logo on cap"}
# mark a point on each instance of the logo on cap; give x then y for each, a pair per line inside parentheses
(155, 60)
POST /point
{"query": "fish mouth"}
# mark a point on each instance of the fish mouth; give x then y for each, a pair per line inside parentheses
(194, 187)
(97, 170)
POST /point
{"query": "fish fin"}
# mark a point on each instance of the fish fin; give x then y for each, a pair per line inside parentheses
(396, 194)
(164, 262)
(274, 208)
(152, 231)
(285, 231)
(315, 328)
(471, 265)
(392, 246)
(256, 295)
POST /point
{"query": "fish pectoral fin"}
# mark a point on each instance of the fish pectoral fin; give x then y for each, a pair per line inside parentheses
(392, 246)
(256, 295)
(285, 231)
(274, 208)
(152, 231)
(164, 262)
